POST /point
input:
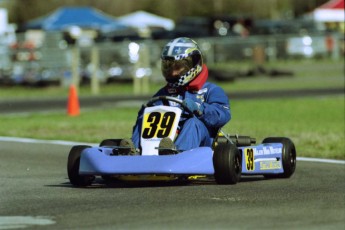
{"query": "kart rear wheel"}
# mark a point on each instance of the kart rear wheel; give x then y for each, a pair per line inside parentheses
(73, 167)
(227, 163)
(288, 156)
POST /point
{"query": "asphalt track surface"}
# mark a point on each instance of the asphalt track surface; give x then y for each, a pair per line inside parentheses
(35, 193)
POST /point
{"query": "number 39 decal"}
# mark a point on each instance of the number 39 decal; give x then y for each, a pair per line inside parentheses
(158, 124)
(249, 155)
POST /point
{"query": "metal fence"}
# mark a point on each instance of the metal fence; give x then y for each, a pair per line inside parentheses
(55, 61)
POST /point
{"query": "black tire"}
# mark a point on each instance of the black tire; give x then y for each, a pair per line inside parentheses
(73, 168)
(227, 163)
(110, 142)
(288, 156)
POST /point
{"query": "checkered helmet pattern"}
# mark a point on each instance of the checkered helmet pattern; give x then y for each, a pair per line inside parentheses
(182, 49)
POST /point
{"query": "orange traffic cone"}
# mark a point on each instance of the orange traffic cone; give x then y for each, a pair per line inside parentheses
(73, 102)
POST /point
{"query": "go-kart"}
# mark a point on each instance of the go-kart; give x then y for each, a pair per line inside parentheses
(229, 157)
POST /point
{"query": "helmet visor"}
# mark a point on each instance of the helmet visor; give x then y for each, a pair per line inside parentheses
(172, 69)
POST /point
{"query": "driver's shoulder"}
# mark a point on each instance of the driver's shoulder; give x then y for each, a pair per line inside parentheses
(211, 87)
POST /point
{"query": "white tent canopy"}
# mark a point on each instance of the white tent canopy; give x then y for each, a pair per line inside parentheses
(332, 11)
(145, 20)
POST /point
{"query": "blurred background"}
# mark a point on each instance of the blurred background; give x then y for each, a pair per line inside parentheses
(64, 42)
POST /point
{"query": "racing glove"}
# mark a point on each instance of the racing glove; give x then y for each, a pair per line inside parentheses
(193, 106)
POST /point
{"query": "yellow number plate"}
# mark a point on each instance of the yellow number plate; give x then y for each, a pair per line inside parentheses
(249, 156)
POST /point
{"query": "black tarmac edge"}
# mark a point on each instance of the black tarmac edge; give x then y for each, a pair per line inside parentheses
(34, 105)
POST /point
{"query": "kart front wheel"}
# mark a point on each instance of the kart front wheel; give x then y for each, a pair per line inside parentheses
(110, 142)
(288, 156)
(73, 167)
(227, 163)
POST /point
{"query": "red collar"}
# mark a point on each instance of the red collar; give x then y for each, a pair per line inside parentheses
(195, 85)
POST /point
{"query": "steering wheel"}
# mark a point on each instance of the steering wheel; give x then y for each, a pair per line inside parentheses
(169, 98)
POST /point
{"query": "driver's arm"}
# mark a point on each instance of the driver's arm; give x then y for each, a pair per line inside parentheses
(216, 108)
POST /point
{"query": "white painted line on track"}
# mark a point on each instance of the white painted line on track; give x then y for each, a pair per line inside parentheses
(31, 140)
(15, 222)
(71, 143)
(310, 159)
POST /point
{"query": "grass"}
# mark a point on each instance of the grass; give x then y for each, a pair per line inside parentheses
(307, 74)
(316, 125)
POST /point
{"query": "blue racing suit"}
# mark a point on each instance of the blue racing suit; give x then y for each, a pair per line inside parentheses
(198, 130)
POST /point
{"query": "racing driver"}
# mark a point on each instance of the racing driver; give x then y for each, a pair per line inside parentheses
(186, 79)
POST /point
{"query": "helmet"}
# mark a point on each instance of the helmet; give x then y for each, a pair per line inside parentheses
(181, 61)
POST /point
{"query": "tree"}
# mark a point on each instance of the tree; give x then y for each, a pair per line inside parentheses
(21, 11)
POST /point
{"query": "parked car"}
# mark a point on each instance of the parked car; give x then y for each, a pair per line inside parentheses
(307, 46)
